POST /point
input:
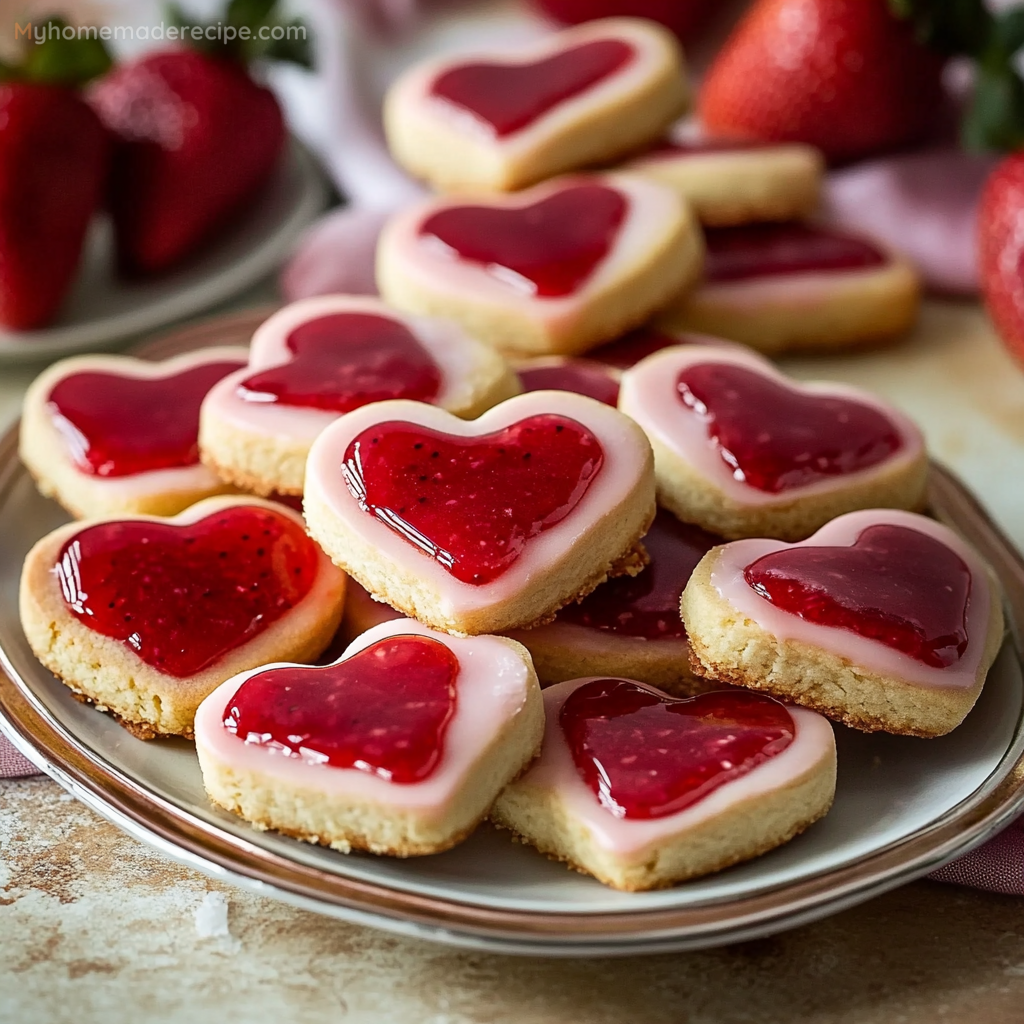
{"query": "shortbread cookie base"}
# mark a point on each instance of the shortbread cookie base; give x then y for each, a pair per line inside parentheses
(110, 675)
(662, 259)
(162, 492)
(804, 312)
(309, 810)
(705, 839)
(730, 647)
(741, 186)
(607, 121)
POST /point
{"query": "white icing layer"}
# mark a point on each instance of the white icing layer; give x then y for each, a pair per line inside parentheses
(732, 559)
(625, 456)
(556, 772)
(650, 207)
(649, 395)
(110, 491)
(491, 690)
(457, 357)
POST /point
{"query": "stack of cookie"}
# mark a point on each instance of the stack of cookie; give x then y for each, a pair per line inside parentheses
(702, 561)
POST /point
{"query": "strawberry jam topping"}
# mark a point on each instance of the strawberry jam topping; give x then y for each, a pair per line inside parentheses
(580, 376)
(647, 605)
(505, 98)
(347, 360)
(774, 437)
(384, 711)
(472, 503)
(181, 597)
(547, 250)
(628, 350)
(90, 411)
(768, 250)
(895, 585)
(646, 755)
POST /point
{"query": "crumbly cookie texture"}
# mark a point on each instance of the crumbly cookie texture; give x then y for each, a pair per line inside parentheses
(629, 108)
(656, 256)
(146, 701)
(732, 648)
(740, 186)
(495, 735)
(553, 810)
(804, 312)
(45, 452)
(599, 538)
(262, 447)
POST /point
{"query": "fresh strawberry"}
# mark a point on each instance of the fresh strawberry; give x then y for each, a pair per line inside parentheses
(844, 75)
(1001, 250)
(196, 140)
(53, 161)
(680, 16)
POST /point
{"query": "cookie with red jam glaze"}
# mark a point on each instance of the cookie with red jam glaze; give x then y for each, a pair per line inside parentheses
(744, 451)
(798, 287)
(629, 626)
(554, 270)
(318, 358)
(643, 791)
(481, 526)
(884, 620)
(580, 376)
(105, 435)
(145, 616)
(729, 182)
(500, 122)
(400, 747)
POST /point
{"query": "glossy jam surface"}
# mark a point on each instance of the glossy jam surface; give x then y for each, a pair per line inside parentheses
(774, 437)
(628, 350)
(91, 409)
(647, 755)
(894, 585)
(181, 597)
(547, 250)
(577, 375)
(473, 503)
(383, 711)
(766, 250)
(647, 605)
(347, 360)
(506, 98)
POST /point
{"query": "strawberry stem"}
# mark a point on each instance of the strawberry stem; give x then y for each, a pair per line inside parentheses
(59, 57)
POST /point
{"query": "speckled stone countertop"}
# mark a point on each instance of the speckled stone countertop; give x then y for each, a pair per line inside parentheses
(96, 928)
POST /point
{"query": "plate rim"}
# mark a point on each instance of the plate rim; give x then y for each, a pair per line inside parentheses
(176, 833)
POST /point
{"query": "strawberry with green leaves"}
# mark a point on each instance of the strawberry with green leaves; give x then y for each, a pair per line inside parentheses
(53, 163)
(196, 137)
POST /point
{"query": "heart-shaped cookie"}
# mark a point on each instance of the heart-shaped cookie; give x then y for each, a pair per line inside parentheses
(743, 450)
(642, 790)
(74, 441)
(580, 376)
(503, 121)
(399, 747)
(884, 620)
(777, 287)
(555, 270)
(485, 525)
(318, 358)
(145, 616)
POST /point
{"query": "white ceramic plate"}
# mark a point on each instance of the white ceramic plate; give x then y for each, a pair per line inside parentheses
(904, 806)
(103, 310)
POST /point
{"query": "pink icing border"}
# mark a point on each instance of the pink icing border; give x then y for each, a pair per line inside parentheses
(555, 771)
(648, 394)
(456, 355)
(492, 688)
(732, 559)
(624, 450)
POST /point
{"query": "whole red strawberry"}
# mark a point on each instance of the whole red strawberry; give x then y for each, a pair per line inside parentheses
(1001, 250)
(844, 75)
(680, 16)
